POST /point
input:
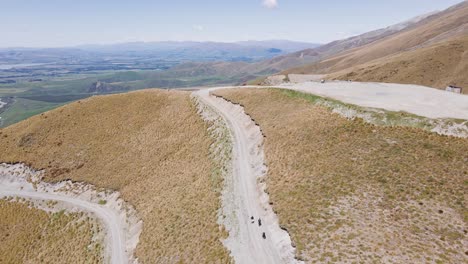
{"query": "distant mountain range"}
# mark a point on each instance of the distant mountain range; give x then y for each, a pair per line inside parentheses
(283, 45)
(295, 62)
(247, 51)
(339, 58)
(414, 51)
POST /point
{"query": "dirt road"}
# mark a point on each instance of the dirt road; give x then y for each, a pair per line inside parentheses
(248, 199)
(12, 184)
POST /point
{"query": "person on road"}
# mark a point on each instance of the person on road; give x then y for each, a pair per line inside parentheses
(264, 235)
(259, 222)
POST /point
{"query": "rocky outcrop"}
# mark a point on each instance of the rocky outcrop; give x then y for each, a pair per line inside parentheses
(103, 87)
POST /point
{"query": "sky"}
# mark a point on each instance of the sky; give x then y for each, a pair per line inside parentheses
(59, 23)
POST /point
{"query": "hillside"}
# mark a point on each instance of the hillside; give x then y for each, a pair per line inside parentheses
(49, 238)
(447, 25)
(308, 56)
(438, 65)
(348, 191)
(152, 147)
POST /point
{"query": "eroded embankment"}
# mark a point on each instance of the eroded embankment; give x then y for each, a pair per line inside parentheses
(119, 220)
(254, 232)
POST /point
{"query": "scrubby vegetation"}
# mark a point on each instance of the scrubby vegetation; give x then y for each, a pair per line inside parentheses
(350, 191)
(152, 147)
(29, 235)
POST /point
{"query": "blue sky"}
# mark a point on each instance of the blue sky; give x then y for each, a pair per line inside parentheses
(54, 23)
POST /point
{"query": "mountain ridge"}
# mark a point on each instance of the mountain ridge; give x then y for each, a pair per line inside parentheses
(442, 27)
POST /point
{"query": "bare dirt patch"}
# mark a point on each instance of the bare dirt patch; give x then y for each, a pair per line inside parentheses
(351, 191)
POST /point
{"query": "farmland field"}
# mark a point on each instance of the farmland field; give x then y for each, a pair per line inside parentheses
(24, 108)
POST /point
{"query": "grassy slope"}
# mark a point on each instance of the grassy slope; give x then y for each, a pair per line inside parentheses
(447, 25)
(149, 145)
(435, 66)
(50, 238)
(347, 190)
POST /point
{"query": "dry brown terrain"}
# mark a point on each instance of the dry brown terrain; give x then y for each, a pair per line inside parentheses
(49, 238)
(435, 66)
(439, 28)
(348, 191)
(152, 147)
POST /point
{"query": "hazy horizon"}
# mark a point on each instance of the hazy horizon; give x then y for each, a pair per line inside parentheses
(158, 41)
(50, 24)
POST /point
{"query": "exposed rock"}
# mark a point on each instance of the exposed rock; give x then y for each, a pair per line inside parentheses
(103, 87)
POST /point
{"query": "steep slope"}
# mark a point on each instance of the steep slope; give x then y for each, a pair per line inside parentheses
(444, 25)
(438, 65)
(308, 56)
(152, 147)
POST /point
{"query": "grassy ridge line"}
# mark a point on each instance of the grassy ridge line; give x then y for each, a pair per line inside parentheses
(61, 90)
(152, 147)
(352, 191)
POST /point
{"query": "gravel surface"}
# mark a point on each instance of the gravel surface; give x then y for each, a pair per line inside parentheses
(121, 227)
(248, 198)
(419, 100)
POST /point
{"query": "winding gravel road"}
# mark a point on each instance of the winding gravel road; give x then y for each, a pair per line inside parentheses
(117, 247)
(248, 198)
(13, 185)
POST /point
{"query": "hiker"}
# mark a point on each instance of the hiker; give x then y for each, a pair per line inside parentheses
(252, 220)
(259, 222)
(264, 236)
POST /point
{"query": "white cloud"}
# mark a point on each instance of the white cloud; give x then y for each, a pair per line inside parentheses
(198, 27)
(270, 3)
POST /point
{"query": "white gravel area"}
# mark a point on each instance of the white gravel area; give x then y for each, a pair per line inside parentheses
(415, 99)
(300, 78)
(2, 104)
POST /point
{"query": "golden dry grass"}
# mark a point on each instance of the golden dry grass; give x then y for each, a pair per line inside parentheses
(444, 26)
(29, 235)
(152, 147)
(355, 192)
(438, 65)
